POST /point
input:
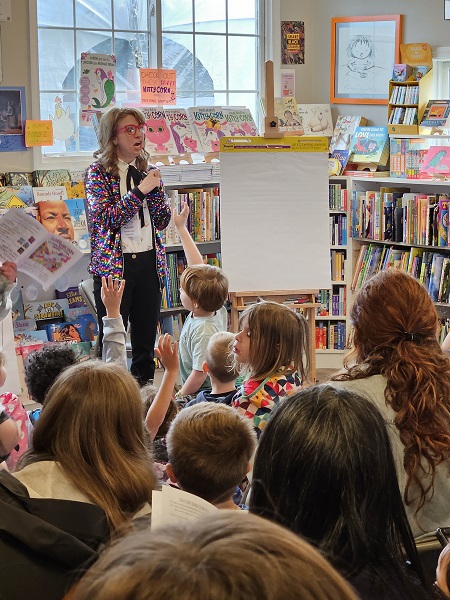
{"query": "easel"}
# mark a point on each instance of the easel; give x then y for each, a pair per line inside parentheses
(241, 300)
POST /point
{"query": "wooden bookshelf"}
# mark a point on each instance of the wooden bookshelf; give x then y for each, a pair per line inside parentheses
(423, 94)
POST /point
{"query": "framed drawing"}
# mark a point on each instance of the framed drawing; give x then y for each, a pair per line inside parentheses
(363, 52)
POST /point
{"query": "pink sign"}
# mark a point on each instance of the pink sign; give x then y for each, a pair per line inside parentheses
(158, 86)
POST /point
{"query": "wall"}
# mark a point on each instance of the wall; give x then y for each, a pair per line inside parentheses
(422, 22)
(15, 36)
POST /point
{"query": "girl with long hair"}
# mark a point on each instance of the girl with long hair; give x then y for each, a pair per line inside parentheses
(271, 351)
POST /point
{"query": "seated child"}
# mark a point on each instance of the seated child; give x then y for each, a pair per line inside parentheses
(219, 366)
(203, 291)
(41, 368)
(209, 448)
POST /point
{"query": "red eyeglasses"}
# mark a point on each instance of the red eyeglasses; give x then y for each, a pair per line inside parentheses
(131, 129)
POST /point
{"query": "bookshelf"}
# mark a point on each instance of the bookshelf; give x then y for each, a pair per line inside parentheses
(415, 250)
(408, 98)
(331, 315)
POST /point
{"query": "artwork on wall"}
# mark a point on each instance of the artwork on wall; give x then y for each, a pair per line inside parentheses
(292, 42)
(12, 119)
(363, 52)
(446, 9)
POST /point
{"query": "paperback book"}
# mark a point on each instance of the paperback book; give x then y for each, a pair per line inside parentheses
(370, 144)
(436, 113)
(315, 119)
(183, 133)
(158, 135)
(210, 125)
(344, 130)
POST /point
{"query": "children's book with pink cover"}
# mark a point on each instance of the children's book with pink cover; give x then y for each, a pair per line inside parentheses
(158, 136)
(210, 124)
(437, 161)
(183, 133)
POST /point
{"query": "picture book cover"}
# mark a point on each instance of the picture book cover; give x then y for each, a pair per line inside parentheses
(18, 178)
(21, 325)
(29, 338)
(46, 309)
(63, 332)
(286, 109)
(210, 125)
(342, 157)
(97, 84)
(436, 161)
(88, 327)
(369, 144)
(344, 130)
(82, 350)
(183, 133)
(240, 121)
(16, 196)
(66, 218)
(72, 295)
(401, 72)
(158, 136)
(436, 113)
(75, 189)
(316, 119)
(55, 192)
(50, 177)
(17, 309)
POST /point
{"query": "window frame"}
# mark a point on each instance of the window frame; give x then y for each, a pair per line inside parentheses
(268, 11)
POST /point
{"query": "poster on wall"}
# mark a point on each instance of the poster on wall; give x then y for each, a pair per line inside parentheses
(158, 86)
(288, 82)
(12, 119)
(97, 84)
(292, 42)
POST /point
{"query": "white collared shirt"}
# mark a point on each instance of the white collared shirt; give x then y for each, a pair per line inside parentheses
(134, 237)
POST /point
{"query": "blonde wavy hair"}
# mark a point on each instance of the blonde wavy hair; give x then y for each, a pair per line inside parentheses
(106, 155)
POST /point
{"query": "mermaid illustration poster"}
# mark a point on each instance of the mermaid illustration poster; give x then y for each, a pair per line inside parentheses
(97, 84)
(364, 50)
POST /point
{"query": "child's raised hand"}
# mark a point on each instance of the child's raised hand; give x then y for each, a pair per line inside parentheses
(111, 294)
(180, 218)
(168, 353)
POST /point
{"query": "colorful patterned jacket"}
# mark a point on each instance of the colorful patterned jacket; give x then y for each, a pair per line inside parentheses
(256, 399)
(108, 211)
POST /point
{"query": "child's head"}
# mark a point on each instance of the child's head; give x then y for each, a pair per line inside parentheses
(43, 366)
(2, 368)
(92, 425)
(205, 286)
(209, 447)
(148, 394)
(218, 358)
(220, 556)
(271, 337)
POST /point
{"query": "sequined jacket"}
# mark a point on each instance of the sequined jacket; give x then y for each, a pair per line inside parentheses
(108, 211)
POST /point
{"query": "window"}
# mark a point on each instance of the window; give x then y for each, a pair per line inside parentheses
(215, 46)
(441, 73)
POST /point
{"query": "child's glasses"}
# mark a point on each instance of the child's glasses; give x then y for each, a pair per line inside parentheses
(131, 129)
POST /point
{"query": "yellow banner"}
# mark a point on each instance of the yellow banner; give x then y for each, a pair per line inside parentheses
(284, 144)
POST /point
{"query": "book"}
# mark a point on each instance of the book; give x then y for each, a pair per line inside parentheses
(43, 310)
(64, 332)
(75, 189)
(22, 325)
(343, 131)
(183, 133)
(73, 297)
(50, 177)
(341, 156)
(401, 72)
(18, 178)
(370, 144)
(436, 113)
(66, 218)
(88, 327)
(436, 160)
(158, 136)
(16, 197)
(239, 121)
(30, 338)
(315, 119)
(38, 253)
(209, 124)
(287, 113)
(55, 192)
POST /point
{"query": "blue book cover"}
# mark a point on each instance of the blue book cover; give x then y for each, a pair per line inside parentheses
(88, 327)
(435, 278)
(369, 144)
(77, 209)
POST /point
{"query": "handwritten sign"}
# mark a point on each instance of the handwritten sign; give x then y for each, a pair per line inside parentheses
(158, 86)
(38, 133)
